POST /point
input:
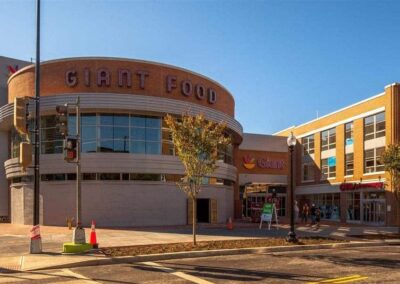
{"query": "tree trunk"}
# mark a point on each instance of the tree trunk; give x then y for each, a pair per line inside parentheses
(194, 219)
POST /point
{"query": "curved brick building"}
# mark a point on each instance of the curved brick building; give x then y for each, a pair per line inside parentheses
(128, 162)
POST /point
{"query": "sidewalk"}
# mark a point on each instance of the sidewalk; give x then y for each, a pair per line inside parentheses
(14, 239)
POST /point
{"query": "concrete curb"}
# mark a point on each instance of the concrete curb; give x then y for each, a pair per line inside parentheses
(207, 253)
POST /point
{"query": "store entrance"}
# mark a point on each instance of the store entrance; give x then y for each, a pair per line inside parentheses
(203, 210)
(374, 212)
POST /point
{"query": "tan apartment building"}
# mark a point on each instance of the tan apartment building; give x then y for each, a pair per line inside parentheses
(338, 166)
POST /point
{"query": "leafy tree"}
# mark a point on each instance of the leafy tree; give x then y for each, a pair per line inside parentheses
(196, 140)
(391, 162)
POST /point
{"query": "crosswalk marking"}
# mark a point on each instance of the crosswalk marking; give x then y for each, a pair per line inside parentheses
(45, 277)
(346, 279)
(78, 276)
(182, 275)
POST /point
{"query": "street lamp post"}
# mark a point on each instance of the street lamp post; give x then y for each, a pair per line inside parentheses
(291, 141)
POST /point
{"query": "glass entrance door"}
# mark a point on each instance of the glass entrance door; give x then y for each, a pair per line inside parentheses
(373, 211)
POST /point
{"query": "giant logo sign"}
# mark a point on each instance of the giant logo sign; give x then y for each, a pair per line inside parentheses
(263, 163)
(125, 78)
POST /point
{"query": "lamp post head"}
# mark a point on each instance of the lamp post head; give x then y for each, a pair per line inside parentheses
(291, 141)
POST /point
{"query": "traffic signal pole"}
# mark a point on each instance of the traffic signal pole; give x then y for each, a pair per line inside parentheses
(78, 166)
(36, 241)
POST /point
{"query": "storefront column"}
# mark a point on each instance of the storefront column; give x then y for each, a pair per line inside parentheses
(392, 216)
(343, 207)
(4, 188)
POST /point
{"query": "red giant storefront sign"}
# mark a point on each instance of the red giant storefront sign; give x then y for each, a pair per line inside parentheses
(354, 186)
(263, 163)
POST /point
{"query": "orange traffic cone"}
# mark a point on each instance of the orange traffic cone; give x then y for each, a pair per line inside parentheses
(93, 238)
(229, 225)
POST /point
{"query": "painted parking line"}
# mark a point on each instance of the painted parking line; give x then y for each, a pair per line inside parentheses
(346, 279)
(182, 275)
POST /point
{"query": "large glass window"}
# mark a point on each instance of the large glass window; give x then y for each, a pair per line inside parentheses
(225, 154)
(108, 132)
(168, 147)
(374, 126)
(113, 133)
(328, 139)
(372, 160)
(328, 203)
(122, 133)
(349, 133)
(353, 206)
(51, 139)
(328, 168)
(349, 164)
(89, 132)
(308, 144)
(145, 135)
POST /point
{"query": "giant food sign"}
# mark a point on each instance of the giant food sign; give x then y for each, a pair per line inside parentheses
(126, 78)
(250, 163)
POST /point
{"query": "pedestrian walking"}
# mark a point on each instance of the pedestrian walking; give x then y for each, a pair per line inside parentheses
(317, 218)
(296, 212)
(305, 211)
(313, 214)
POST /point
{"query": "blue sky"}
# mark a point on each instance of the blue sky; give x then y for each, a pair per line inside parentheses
(283, 61)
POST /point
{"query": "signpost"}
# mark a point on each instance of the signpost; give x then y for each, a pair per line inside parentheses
(268, 213)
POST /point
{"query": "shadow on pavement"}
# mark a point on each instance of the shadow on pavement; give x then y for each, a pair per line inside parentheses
(228, 274)
(353, 260)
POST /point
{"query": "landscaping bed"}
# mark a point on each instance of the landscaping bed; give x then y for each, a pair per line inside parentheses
(211, 245)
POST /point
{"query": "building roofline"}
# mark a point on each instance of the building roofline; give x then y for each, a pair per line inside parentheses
(121, 59)
(290, 127)
(336, 111)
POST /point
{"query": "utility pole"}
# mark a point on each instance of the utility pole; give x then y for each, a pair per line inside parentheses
(36, 241)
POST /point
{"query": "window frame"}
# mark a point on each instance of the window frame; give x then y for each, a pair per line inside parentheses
(330, 173)
(307, 142)
(329, 144)
(348, 131)
(375, 133)
(377, 165)
(347, 162)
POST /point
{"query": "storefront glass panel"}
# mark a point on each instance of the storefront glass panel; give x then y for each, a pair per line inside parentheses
(353, 212)
(328, 203)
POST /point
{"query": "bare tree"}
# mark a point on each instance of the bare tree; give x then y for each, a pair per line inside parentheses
(196, 141)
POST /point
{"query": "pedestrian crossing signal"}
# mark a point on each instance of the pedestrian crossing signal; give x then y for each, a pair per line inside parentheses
(70, 151)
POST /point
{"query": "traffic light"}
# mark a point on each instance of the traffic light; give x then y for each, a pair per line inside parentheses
(21, 114)
(25, 155)
(62, 120)
(70, 149)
